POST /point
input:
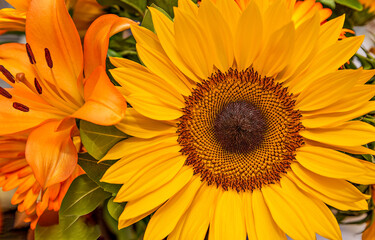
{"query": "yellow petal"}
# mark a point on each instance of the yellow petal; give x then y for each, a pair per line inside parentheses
(355, 98)
(287, 213)
(154, 108)
(231, 13)
(330, 31)
(334, 188)
(277, 52)
(143, 82)
(326, 62)
(123, 221)
(144, 204)
(369, 176)
(249, 215)
(129, 169)
(248, 36)
(165, 31)
(151, 180)
(126, 63)
(200, 213)
(352, 133)
(229, 220)
(336, 203)
(153, 56)
(137, 125)
(305, 38)
(188, 6)
(326, 90)
(334, 118)
(265, 226)
(190, 44)
(318, 216)
(165, 219)
(138, 147)
(220, 42)
(329, 163)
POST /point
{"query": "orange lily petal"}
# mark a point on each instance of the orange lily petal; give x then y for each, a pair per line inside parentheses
(14, 58)
(49, 25)
(21, 5)
(51, 154)
(104, 104)
(97, 39)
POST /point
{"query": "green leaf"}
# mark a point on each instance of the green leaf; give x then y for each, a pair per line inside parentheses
(329, 3)
(99, 139)
(139, 6)
(166, 5)
(354, 4)
(96, 170)
(147, 21)
(128, 233)
(115, 209)
(83, 196)
(71, 227)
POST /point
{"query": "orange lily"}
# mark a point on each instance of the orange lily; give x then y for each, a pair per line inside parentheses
(54, 81)
(15, 172)
(85, 12)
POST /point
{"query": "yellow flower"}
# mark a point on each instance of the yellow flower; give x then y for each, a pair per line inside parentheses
(239, 118)
(85, 12)
(54, 81)
(15, 172)
(370, 4)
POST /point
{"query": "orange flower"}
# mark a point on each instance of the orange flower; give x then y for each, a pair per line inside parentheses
(54, 81)
(14, 19)
(15, 172)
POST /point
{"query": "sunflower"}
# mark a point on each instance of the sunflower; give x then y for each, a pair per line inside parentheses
(55, 82)
(239, 119)
(15, 172)
(84, 13)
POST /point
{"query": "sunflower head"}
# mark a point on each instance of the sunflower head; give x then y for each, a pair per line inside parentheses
(240, 130)
(240, 123)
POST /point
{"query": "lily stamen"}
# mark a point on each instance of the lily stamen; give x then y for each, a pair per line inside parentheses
(7, 74)
(48, 58)
(30, 54)
(54, 96)
(63, 95)
(37, 86)
(21, 78)
(21, 107)
(5, 93)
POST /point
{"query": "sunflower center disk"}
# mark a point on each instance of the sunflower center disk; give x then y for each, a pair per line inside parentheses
(239, 130)
(240, 127)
